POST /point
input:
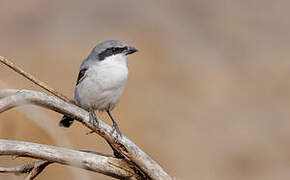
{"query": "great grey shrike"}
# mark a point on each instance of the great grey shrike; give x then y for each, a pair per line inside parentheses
(101, 80)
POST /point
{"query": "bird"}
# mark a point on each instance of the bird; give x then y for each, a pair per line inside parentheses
(101, 80)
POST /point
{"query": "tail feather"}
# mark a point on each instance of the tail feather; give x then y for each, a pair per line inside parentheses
(66, 121)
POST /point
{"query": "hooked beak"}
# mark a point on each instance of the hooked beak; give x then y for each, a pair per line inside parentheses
(131, 50)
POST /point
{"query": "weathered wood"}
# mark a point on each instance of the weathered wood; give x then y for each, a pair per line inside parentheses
(13, 98)
(26, 168)
(107, 165)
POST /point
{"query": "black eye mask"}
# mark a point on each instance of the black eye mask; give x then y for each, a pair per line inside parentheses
(111, 51)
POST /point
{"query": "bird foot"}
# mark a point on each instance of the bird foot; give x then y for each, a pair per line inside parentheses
(118, 132)
(93, 118)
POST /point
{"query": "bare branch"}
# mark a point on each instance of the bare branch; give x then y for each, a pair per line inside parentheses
(123, 145)
(33, 169)
(37, 169)
(26, 168)
(51, 128)
(33, 79)
(126, 147)
(107, 165)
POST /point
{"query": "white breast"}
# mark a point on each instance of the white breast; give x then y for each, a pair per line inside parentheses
(104, 83)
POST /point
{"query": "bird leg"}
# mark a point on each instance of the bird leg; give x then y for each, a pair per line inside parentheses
(93, 117)
(115, 125)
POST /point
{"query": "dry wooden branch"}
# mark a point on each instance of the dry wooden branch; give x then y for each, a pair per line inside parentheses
(38, 167)
(107, 165)
(33, 79)
(143, 165)
(33, 169)
(26, 168)
(13, 98)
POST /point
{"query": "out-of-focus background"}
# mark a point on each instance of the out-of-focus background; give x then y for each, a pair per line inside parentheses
(208, 92)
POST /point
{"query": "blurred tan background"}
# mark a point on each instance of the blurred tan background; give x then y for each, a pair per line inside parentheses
(208, 92)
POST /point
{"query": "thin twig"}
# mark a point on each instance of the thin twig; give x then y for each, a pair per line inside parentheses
(38, 167)
(26, 168)
(127, 148)
(33, 169)
(34, 79)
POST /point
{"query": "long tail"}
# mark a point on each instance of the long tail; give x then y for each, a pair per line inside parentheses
(66, 121)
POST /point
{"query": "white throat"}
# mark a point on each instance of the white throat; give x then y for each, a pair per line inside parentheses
(118, 59)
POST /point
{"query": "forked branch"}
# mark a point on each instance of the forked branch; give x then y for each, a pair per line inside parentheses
(136, 159)
(32, 168)
(107, 165)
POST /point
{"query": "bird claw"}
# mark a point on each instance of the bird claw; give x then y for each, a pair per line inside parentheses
(93, 118)
(118, 132)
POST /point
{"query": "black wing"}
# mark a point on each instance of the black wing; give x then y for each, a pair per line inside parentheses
(81, 75)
